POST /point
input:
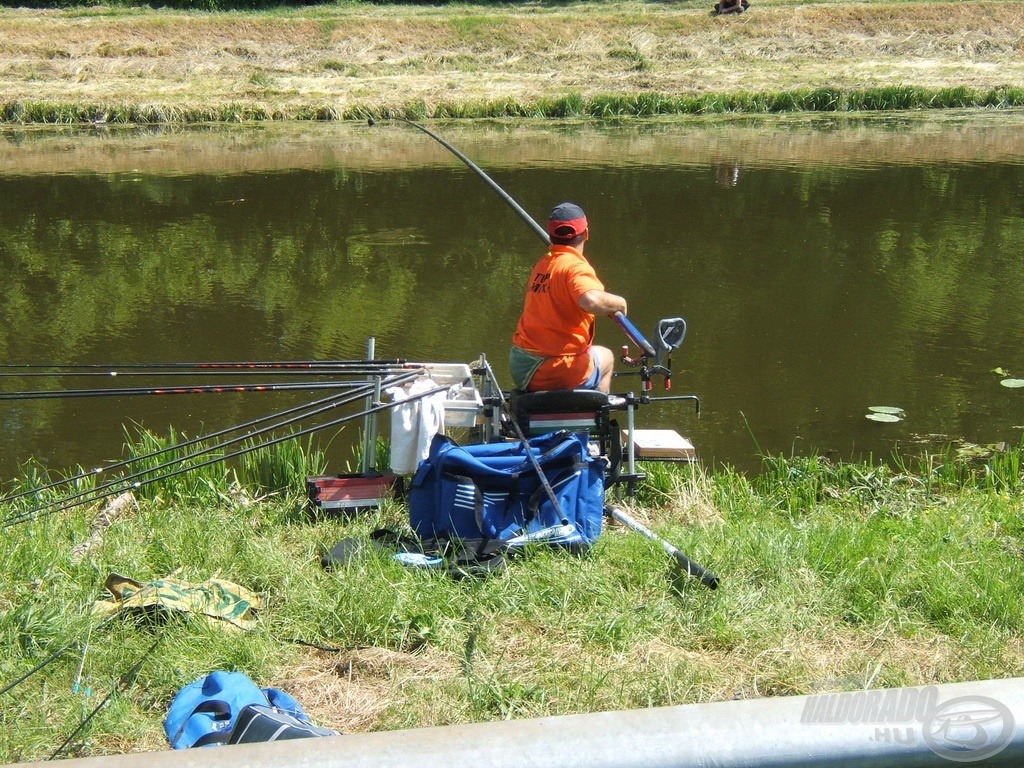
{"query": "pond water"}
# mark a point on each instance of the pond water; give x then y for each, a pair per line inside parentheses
(823, 266)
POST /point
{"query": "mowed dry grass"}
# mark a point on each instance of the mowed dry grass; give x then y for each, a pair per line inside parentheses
(389, 57)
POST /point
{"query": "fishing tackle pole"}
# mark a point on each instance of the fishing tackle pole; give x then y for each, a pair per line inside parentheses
(139, 478)
(203, 389)
(123, 682)
(272, 364)
(49, 659)
(124, 464)
(624, 323)
(109, 489)
(112, 374)
(691, 568)
(537, 228)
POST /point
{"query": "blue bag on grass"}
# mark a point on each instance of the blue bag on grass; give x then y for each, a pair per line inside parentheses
(229, 708)
(477, 495)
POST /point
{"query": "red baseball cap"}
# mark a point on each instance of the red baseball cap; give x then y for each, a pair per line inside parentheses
(567, 221)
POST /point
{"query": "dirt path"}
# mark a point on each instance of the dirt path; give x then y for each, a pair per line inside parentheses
(389, 57)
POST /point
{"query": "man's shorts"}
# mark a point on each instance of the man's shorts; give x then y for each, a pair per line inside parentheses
(567, 372)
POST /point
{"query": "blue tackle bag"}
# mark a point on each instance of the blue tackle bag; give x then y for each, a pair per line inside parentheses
(229, 708)
(479, 495)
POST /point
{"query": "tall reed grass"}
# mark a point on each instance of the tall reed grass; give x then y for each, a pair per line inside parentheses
(572, 105)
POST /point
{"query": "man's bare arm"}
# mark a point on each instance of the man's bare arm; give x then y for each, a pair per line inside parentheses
(602, 303)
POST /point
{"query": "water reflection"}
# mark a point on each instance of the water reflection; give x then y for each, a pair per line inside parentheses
(821, 271)
(727, 174)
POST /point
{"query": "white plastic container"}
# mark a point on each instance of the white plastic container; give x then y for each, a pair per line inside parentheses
(463, 404)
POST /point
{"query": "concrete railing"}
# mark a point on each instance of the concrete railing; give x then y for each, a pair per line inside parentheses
(979, 723)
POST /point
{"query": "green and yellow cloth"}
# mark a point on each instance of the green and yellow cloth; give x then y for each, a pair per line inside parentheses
(216, 598)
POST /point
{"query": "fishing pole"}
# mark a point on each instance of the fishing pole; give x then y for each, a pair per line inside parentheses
(272, 364)
(691, 568)
(124, 464)
(537, 228)
(128, 482)
(368, 371)
(50, 659)
(123, 682)
(543, 235)
(249, 449)
(139, 480)
(548, 490)
(623, 322)
(201, 389)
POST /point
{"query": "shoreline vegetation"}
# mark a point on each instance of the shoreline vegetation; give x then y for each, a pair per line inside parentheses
(530, 60)
(835, 577)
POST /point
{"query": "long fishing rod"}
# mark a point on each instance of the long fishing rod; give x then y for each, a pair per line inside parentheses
(692, 569)
(543, 235)
(139, 479)
(123, 682)
(49, 660)
(124, 464)
(112, 374)
(270, 364)
(541, 232)
(127, 482)
(25, 517)
(627, 326)
(202, 389)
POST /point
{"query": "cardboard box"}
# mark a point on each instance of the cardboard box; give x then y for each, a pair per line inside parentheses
(661, 444)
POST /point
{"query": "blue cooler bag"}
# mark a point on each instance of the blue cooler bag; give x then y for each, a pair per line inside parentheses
(477, 495)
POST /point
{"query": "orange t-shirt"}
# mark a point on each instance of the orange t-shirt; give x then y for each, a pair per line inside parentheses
(553, 324)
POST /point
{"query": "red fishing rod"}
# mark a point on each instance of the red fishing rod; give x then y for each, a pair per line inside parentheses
(118, 485)
(276, 364)
(305, 409)
(143, 478)
(113, 374)
(204, 389)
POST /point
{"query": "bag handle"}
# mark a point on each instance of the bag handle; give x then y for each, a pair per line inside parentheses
(220, 710)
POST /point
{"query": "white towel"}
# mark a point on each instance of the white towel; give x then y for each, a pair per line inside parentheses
(414, 424)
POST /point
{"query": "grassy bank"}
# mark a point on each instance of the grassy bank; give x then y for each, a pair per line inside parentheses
(835, 578)
(538, 60)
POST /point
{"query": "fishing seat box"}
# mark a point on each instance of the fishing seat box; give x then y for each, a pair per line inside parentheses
(348, 494)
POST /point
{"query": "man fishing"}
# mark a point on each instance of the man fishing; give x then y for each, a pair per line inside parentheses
(553, 344)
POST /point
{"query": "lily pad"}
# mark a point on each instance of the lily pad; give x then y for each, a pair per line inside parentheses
(1012, 383)
(886, 417)
(892, 410)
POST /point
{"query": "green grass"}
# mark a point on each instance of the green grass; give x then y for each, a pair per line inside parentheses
(572, 105)
(833, 575)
